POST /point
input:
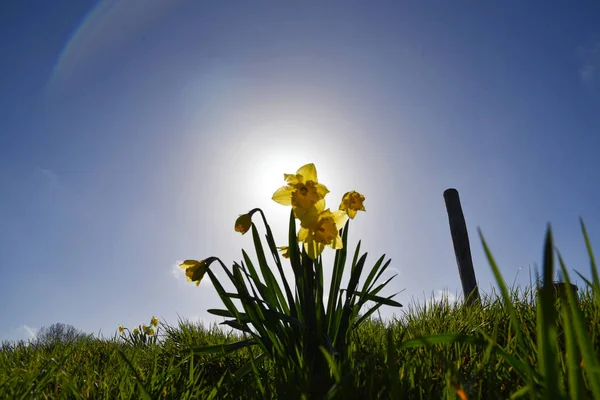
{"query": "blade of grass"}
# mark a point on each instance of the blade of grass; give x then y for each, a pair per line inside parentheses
(593, 265)
(503, 289)
(574, 377)
(590, 359)
(546, 324)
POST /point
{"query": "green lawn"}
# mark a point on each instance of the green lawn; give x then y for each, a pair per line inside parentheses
(484, 359)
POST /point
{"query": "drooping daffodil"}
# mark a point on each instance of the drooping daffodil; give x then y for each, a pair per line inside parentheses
(285, 251)
(324, 232)
(154, 321)
(302, 190)
(243, 223)
(194, 270)
(352, 202)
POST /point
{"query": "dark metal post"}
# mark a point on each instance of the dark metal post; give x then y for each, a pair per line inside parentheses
(462, 249)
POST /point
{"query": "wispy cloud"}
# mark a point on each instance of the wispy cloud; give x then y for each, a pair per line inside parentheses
(31, 332)
(589, 70)
(178, 273)
(443, 295)
(22, 332)
(46, 177)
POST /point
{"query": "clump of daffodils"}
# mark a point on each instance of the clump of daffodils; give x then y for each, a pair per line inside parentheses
(142, 335)
(319, 226)
(293, 324)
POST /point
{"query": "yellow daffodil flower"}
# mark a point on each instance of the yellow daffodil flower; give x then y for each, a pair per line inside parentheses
(121, 329)
(302, 190)
(154, 321)
(144, 327)
(325, 232)
(309, 216)
(243, 223)
(136, 331)
(352, 202)
(194, 270)
(149, 331)
(285, 251)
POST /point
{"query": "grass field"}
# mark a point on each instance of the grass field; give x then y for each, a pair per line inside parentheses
(518, 344)
(482, 359)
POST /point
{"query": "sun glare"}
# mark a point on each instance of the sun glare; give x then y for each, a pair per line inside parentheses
(271, 154)
(269, 170)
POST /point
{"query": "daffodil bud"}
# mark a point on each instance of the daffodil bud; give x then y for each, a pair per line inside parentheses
(243, 223)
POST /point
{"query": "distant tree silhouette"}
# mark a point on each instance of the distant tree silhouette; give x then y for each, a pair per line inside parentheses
(58, 332)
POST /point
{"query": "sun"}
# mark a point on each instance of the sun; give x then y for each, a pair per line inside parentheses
(268, 151)
(268, 172)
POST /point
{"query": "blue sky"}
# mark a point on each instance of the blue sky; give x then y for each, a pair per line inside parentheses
(133, 134)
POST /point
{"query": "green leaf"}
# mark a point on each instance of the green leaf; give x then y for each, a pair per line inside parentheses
(503, 290)
(221, 313)
(225, 348)
(144, 393)
(290, 307)
(273, 294)
(546, 325)
(333, 313)
(586, 347)
(593, 265)
(248, 366)
(236, 325)
(574, 373)
(333, 365)
(371, 277)
(381, 300)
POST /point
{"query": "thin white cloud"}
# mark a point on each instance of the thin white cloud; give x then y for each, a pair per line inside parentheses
(176, 271)
(443, 295)
(47, 175)
(31, 332)
(587, 74)
(22, 332)
(590, 65)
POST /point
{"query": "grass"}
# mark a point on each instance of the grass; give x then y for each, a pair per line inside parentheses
(385, 361)
(516, 344)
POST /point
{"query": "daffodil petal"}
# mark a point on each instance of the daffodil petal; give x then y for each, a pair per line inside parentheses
(337, 243)
(303, 234)
(291, 179)
(313, 249)
(320, 205)
(340, 217)
(283, 195)
(321, 189)
(308, 172)
(188, 263)
(308, 217)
